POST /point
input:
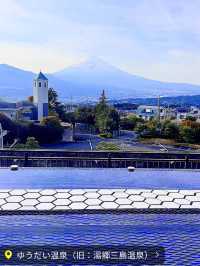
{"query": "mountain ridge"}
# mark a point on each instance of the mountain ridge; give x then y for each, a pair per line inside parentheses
(87, 80)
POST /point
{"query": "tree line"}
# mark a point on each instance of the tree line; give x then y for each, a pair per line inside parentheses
(48, 130)
(187, 131)
(102, 117)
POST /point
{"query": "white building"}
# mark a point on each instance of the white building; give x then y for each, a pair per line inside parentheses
(40, 96)
(184, 113)
(148, 112)
(195, 112)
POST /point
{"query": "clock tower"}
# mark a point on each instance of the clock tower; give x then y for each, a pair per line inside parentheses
(40, 95)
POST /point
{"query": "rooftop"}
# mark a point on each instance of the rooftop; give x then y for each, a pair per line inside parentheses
(41, 76)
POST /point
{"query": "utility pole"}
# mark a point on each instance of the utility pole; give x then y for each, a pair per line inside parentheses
(168, 112)
(70, 104)
(159, 108)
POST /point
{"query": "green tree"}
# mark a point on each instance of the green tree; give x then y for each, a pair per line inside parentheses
(170, 130)
(130, 122)
(53, 99)
(150, 129)
(114, 120)
(191, 118)
(51, 121)
(16, 130)
(188, 134)
(60, 110)
(70, 117)
(106, 117)
(55, 107)
(85, 115)
(141, 128)
(49, 131)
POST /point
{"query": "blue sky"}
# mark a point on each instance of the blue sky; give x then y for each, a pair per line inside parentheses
(158, 39)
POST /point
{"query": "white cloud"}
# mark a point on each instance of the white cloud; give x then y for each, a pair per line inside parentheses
(33, 57)
(159, 39)
(12, 8)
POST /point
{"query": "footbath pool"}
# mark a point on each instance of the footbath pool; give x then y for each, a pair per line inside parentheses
(41, 178)
(177, 233)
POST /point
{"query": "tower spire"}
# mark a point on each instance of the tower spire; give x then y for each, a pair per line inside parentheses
(103, 97)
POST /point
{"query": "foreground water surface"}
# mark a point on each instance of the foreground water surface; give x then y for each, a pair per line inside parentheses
(177, 233)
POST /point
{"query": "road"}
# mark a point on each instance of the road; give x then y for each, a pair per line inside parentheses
(127, 141)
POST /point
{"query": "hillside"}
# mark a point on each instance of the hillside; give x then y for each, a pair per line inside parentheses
(177, 100)
(86, 81)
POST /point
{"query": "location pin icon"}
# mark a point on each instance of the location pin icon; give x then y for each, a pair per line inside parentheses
(8, 254)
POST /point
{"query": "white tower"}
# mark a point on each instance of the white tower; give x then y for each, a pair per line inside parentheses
(40, 95)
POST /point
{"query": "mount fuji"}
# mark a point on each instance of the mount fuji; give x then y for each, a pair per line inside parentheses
(86, 81)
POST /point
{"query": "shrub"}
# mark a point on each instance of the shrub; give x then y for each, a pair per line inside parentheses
(52, 129)
(170, 130)
(189, 135)
(106, 135)
(130, 122)
(107, 146)
(31, 143)
(49, 131)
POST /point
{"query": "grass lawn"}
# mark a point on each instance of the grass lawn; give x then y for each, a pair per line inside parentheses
(168, 142)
